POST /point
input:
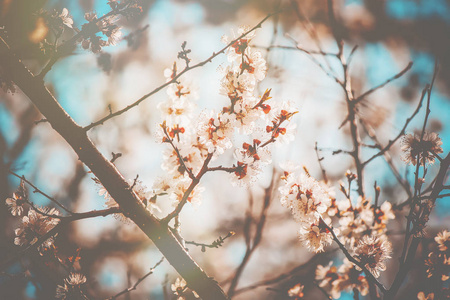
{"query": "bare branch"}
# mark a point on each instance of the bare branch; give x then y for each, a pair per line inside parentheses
(319, 160)
(256, 239)
(283, 276)
(402, 132)
(216, 244)
(400, 74)
(37, 190)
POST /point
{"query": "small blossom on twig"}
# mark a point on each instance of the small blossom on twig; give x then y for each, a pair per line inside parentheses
(35, 225)
(326, 275)
(438, 262)
(422, 296)
(372, 252)
(424, 150)
(66, 18)
(315, 236)
(180, 289)
(296, 292)
(349, 279)
(72, 287)
(443, 240)
(19, 198)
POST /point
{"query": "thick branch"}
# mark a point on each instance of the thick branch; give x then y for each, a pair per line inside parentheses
(109, 176)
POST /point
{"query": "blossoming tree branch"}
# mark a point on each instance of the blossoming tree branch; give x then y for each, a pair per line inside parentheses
(338, 218)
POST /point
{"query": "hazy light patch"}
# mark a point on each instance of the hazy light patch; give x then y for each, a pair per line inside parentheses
(27, 161)
(101, 7)
(353, 2)
(409, 10)
(162, 12)
(423, 65)
(30, 290)
(235, 252)
(75, 97)
(400, 9)
(57, 165)
(380, 64)
(7, 127)
(136, 81)
(112, 274)
(190, 13)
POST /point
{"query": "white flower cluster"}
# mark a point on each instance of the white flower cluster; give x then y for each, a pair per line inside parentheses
(362, 219)
(308, 201)
(35, 225)
(72, 287)
(195, 140)
(438, 261)
(180, 289)
(362, 226)
(346, 278)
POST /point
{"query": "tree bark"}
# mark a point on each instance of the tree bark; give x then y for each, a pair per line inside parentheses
(108, 175)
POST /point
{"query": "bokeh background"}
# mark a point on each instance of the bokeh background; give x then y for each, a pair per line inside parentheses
(389, 35)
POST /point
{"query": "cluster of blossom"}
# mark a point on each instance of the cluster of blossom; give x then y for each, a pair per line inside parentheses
(37, 222)
(424, 150)
(296, 292)
(195, 140)
(17, 201)
(308, 201)
(72, 287)
(438, 261)
(108, 29)
(55, 20)
(347, 277)
(362, 228)
(106, 25)
(180, 289)
(362, 219)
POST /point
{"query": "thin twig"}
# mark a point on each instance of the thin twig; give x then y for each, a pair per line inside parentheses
(189, 190)
(319, 160)
(37, 190)
(174, 79)
(311, 52)
(285, 275)
(55, 230)
(408, 253)
(347, 254)
(400, 74)
(403, 182)
(402, 132)
(216, 244)
(251, 246)
(134, 286)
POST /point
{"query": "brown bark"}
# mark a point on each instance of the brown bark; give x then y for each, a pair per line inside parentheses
(109, 176)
